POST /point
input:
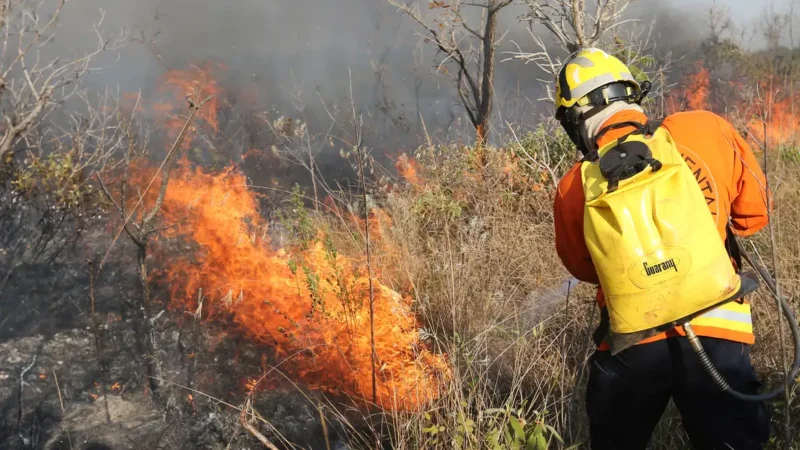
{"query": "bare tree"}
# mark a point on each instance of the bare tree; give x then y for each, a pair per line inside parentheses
(719, 21)
(573, 28)
(38, 216)
(773, 25)
(574, 25)
(30, 85)
(637, 46)
(467, 52)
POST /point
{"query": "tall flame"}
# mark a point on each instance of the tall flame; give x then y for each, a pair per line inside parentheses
(698, 89)
(310, 305)
(765, 109)
(194, 85)
(774, 119)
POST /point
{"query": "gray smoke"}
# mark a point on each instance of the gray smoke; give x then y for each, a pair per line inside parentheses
(318, 49)
(314, 47)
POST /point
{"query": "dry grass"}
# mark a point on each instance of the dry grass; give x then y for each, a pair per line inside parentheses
(784, 175)
(474, 248)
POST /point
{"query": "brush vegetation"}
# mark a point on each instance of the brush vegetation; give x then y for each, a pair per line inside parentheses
(473, 246)
(465, 232)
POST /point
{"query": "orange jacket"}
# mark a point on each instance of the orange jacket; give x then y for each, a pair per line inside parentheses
(723, 164)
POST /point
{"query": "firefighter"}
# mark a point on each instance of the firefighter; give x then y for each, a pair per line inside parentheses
(627, 393)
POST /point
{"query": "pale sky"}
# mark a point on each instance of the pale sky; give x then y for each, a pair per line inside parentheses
(745, 13)
(741, 10)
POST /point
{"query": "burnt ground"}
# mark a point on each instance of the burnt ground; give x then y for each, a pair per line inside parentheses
(51, 377)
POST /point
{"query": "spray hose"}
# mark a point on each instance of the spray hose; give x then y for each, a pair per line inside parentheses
(705, 361)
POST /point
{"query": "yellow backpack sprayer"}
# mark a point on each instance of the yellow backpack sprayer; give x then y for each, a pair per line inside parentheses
(656, 248)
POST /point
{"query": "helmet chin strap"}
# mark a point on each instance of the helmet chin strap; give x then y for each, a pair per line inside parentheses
(582, 124)
(574, 124)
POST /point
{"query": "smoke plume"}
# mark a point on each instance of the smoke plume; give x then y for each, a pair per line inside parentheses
(285, 53)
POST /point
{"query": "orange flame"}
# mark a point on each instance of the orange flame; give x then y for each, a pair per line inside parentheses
(767, 115)
(190, 83)
(191, 86)
(698, 89)
(310, 307)
(774, 119)
(408, 167)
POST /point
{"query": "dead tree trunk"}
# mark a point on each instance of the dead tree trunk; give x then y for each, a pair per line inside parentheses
(484, 99)
(144, 313)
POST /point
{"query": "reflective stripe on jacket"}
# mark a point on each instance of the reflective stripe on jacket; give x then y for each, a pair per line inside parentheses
(731, 180)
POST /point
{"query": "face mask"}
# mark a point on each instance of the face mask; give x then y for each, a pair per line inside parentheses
(571, 123)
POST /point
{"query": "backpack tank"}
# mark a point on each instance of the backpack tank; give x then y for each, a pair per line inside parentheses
(652, 238)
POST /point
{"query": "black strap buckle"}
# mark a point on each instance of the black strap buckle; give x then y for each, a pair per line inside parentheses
(625, 160)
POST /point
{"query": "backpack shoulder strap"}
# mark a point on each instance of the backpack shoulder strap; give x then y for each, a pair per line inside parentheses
(652, 125)
(648, 128)
(732, 245)
(603, 131)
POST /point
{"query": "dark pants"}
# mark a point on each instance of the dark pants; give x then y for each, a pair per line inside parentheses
(628, 393)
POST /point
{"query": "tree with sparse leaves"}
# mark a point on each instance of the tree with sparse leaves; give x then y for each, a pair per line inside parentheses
(45, 196)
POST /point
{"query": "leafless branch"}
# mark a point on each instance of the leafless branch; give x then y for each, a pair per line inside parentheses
(295, 143)
(572, 24)
(531, 160)
(61, 403)
(29, 87)
(542, 59)
(131, 228)
(251, 429)
(20, 403)
(466, 52)
(168, 165)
